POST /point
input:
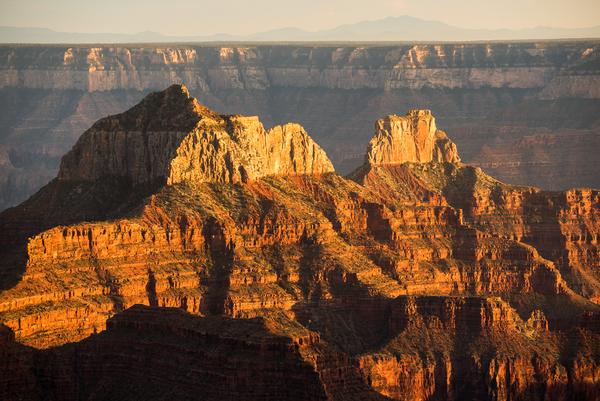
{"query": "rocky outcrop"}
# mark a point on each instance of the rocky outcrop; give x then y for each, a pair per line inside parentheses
(560, 225)
(212, 357)
(170, 137)
(421, 278)
(433, 366)
(413, 138)
(248, 153)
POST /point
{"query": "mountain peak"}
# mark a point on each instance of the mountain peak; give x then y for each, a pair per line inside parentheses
(172, 138)
(410, 138)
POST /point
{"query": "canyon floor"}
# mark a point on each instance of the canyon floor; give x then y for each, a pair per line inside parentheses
(184, 254)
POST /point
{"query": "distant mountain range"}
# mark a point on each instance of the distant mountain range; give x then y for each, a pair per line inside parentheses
(403, 28)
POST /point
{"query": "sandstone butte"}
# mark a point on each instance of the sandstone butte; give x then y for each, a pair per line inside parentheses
(182, 254)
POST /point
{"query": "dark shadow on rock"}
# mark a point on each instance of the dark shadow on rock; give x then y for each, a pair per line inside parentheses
(217, 275)
(460, 190)
(151, 289)
(63, 203)
(165, 353)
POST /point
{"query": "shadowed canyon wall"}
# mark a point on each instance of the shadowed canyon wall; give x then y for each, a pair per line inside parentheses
(526, 112)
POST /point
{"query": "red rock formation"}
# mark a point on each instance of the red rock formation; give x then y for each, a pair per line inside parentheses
(170, 136)
(414, 138)
(420, 279)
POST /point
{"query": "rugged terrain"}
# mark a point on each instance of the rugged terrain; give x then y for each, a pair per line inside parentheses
(184, 254)
(526, 112)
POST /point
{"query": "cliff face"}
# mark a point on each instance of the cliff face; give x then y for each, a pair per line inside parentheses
(517, 65)
(497, 99)
(458, 330)
(414, 138)
(562, 226)
(169, 136)
(421, 279)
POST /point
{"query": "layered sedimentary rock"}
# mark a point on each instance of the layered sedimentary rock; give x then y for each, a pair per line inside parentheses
(418, 278)
(526, 112)
(142, 147)
(413, 138)
(562, 226)
(522, 65)
(434, 341)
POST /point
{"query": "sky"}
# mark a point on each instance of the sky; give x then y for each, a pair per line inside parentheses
(238, 17)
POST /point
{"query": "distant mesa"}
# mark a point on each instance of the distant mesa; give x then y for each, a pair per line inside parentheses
(170, 137)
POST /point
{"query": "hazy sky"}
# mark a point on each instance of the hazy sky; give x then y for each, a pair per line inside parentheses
(189, 17)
